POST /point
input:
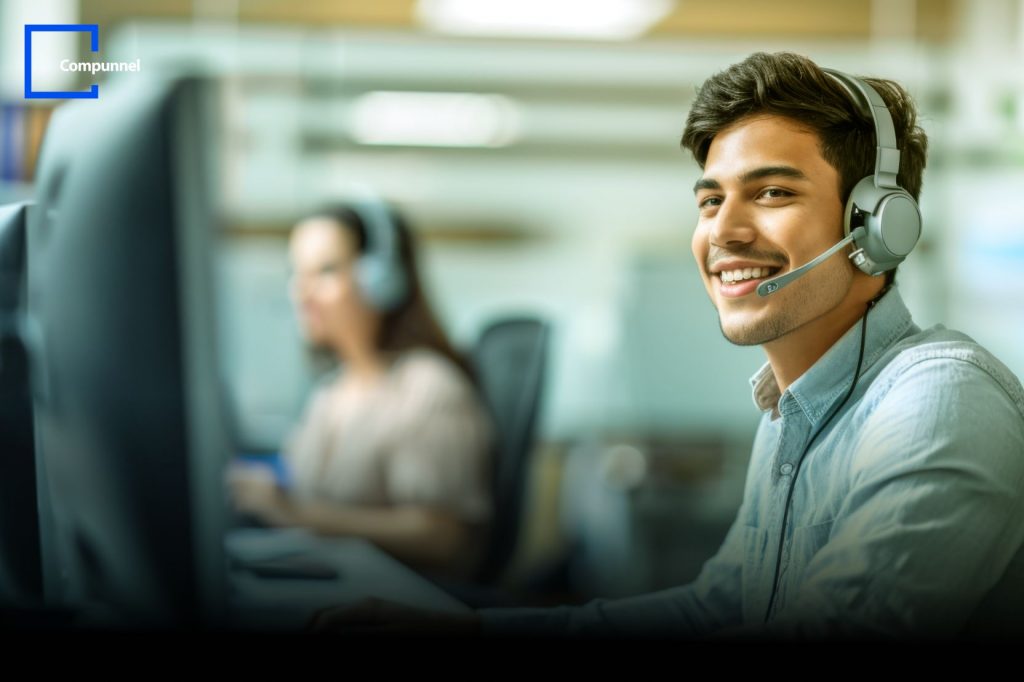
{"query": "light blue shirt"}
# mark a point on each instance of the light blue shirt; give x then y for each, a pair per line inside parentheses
(907, 517)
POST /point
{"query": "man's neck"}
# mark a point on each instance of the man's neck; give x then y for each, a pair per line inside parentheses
(795, 353)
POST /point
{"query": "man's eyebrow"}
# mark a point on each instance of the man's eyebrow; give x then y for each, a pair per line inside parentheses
(754, 174)
(706, 183)
(766, 171)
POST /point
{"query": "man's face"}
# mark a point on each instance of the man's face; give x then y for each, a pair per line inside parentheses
(768, 199)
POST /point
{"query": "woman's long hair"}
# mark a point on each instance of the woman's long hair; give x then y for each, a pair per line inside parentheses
(412, 324)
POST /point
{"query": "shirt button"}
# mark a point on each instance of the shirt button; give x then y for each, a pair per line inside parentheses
(786, 469)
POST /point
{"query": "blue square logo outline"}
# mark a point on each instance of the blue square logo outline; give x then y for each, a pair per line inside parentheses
(93, 29)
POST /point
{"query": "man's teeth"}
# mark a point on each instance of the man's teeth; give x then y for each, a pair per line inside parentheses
(745, 273)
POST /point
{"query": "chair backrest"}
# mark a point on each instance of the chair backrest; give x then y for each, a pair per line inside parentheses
(20, 559)
(510, 359)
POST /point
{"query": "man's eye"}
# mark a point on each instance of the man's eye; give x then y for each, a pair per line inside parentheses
(708, 202)
(776, 193)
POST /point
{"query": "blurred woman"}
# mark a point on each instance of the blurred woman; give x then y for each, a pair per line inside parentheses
(395, 445)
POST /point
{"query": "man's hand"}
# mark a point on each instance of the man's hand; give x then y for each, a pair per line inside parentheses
(375, 616)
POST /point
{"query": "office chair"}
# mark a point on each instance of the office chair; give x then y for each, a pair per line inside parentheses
(510, 360)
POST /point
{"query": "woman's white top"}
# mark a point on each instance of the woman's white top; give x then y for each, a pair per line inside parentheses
(418, 436)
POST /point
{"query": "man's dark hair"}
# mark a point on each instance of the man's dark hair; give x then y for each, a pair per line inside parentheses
(791, 85)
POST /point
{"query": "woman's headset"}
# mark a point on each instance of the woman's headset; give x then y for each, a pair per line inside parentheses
(379, 273)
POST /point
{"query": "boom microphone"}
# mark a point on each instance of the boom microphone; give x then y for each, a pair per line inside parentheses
(770, 286)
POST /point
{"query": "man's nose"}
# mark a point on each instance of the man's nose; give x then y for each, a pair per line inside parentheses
(733, 224)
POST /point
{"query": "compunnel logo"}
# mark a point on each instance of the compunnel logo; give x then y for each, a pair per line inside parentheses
(67, 65)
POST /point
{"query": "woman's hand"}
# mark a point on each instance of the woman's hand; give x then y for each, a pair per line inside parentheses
(375, 616)
(254, 490)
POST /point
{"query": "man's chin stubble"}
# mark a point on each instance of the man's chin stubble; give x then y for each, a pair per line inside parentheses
(752, 337)
(756, 335)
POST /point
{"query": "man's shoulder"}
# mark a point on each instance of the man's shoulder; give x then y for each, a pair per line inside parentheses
(942, 402)
(939, 358)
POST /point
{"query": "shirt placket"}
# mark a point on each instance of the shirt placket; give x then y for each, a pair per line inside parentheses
(794, 433)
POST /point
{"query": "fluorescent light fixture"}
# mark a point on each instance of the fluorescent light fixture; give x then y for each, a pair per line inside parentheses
(600, 19)
(434, 119)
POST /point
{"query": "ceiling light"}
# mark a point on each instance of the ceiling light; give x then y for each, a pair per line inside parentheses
(598, 19)
(438, 119)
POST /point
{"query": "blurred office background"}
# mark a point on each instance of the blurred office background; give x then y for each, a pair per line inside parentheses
(534, 145)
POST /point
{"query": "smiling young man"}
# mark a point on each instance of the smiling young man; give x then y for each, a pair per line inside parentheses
(885, 491)
(769, 201)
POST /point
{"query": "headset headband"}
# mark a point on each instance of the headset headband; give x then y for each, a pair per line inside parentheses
(379, 225)
(887, 154)
(380, 233)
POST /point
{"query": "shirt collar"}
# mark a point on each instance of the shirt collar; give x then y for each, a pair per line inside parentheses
(815, 390)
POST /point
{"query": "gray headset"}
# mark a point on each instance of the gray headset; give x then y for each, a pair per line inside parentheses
(886, 216)
(379, 273)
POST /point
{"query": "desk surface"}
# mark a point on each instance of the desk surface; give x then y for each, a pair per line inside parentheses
(288, 603)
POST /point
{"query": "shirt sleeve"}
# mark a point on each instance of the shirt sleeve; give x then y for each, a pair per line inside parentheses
(712, 601)
(445, 457)
(933, 517)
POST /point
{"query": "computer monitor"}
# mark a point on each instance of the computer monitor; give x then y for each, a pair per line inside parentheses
(126, 382)
(21, 580)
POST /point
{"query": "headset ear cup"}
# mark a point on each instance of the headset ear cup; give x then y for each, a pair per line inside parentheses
(394, 288)
(900, 220)
(382, 285)
(892, 224)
